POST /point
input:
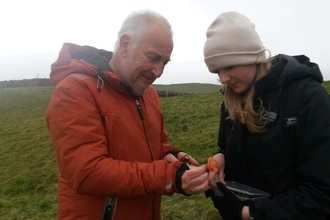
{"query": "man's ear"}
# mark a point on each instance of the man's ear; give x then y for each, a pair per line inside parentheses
(123, 45)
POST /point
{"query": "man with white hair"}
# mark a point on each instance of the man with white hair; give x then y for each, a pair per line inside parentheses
(107, 127)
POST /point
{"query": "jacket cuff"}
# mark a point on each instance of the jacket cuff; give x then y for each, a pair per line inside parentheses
(222, 151)
(178, 178)
(174, 153)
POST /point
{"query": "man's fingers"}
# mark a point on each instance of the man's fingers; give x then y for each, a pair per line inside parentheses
(195, 180)
(197, 189)
(192, 161)
(170, 158)
(186, 158)
(196, 171)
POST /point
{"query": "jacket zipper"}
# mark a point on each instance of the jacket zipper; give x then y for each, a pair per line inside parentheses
(139, 109)
(109, 208)
(145, 134)
(144, 128)
(113, 206)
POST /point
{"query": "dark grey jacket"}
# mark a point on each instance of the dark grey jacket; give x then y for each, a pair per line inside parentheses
(297, 175)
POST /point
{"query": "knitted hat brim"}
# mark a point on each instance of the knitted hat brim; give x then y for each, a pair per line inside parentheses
(218, 61)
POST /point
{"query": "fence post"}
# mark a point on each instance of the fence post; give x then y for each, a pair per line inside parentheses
(35, 84)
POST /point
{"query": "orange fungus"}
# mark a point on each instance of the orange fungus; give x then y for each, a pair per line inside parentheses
(213, 165)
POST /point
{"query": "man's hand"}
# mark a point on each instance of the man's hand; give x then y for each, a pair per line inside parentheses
(183, 157)
(195, 180)
(170, 158)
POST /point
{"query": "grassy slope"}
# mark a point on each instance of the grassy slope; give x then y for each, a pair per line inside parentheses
(28, 171)
(326, 85)
(27, 159)
(192, 122)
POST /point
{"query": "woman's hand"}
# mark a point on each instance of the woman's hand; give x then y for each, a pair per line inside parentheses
(220, 158)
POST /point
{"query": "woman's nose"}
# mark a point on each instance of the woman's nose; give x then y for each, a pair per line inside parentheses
(224, 78)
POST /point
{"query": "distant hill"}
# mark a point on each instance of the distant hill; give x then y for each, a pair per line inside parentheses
(174, 89)
(35, 82)
(187, 88)
(191, 88)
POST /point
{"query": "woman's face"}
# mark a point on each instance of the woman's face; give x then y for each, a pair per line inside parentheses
(238, 78)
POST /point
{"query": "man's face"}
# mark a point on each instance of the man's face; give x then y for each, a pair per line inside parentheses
(145, 62)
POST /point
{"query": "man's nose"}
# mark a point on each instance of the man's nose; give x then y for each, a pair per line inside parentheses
(158, 69)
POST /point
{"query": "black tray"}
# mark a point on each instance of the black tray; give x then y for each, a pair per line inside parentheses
(244, 192)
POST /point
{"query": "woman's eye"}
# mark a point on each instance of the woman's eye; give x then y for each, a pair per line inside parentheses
(229, 68)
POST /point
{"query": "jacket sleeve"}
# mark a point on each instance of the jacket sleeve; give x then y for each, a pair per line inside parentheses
(81, 149)
(310, 199)
(222, 130)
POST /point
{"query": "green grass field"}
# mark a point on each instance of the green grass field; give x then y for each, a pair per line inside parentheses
(28, 178)
(28, 169)
(192, 88)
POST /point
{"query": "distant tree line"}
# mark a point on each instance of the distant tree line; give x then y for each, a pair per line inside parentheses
(36, 82)
(41, 82)
(162, 93)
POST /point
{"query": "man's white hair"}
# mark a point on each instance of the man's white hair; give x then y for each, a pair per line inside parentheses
(136, 24)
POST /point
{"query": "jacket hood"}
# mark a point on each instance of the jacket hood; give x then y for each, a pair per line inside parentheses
(288, 68)
(297, 67)
(80, 59)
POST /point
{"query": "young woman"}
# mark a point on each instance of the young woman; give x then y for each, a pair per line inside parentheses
(275, 126)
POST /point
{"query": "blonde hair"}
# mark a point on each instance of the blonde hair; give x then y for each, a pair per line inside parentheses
(242, 107)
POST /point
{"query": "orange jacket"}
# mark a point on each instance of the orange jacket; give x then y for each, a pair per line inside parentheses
(103, 147)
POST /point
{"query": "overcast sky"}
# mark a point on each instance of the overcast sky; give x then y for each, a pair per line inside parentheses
(33, 31)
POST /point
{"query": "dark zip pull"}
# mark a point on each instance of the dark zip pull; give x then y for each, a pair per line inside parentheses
(139, 108)
(107, 209)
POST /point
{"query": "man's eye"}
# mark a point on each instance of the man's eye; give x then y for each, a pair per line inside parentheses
(152, 59)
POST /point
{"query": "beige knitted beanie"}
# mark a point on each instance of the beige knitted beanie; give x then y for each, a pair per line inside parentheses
(232, 41)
